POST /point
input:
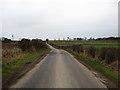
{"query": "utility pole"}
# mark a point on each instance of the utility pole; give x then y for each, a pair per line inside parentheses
(12, 37)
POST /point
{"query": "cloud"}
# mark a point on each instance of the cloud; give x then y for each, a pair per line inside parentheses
(59, 18)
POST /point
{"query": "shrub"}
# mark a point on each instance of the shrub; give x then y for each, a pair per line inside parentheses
(91, 51)
(38, 44)
(118, 54)
(102, 52)
(25, 45)
(81, 48)
(77, 48)
(110, 55)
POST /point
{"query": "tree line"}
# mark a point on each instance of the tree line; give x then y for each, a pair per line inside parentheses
(107, 38)
(6, 40)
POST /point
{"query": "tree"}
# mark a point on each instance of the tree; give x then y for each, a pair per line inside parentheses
(47, 40)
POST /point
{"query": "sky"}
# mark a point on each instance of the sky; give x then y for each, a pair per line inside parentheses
(55, 19)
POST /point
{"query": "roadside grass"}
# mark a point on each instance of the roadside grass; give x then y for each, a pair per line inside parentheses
(16, 66)
(106, 71)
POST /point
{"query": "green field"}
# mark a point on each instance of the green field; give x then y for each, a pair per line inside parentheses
(97, 44)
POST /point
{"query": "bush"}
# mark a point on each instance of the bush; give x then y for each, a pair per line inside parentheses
(118, 54)
(25, 45)
(91, 51)
(102, 52)
(77, 48)
(81, 49)
(110, 55)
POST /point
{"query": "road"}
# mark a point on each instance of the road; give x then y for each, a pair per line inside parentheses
(59, 69)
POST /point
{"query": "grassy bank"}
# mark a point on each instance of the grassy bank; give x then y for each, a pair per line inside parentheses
(10, 70)
(106, 71)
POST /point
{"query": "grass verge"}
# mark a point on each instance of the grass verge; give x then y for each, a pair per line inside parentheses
(106, 71)
(12, 69)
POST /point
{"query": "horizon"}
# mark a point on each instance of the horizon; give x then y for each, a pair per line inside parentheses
(61, 39)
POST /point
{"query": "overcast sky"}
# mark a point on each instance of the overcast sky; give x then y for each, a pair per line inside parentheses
(55, 19)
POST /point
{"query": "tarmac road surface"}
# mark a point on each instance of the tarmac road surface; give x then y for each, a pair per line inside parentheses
(59, 69)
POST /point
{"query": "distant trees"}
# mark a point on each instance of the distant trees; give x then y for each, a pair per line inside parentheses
(91, 38)
(108, 38)
(77, 38)
(6, 40)
(47, 40)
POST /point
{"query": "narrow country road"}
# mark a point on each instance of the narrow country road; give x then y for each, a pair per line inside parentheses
(59, 69)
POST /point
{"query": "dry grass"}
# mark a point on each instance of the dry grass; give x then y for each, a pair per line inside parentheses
(10, 51)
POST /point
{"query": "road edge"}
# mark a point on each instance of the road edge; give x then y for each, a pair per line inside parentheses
(103, 79)
(25, 70)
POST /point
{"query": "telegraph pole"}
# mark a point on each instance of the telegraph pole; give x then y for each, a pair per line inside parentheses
(12, 37)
